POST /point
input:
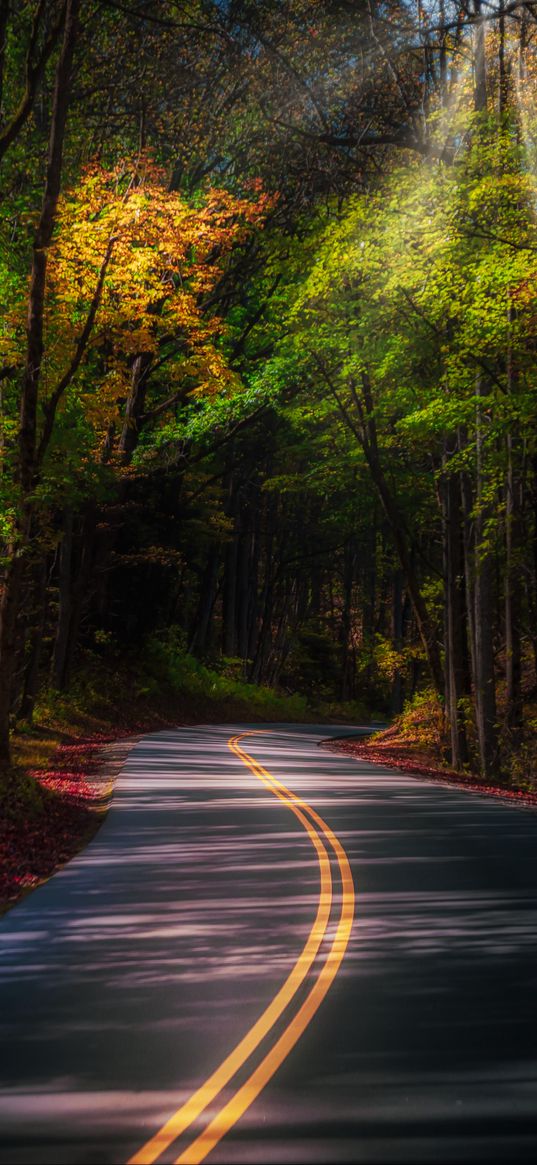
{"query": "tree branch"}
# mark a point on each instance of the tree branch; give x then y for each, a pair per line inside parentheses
(34, 73)
(81, 345)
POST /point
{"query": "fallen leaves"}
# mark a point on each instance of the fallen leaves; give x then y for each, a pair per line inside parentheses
(399, 758)
(42, 828)
(48, 814)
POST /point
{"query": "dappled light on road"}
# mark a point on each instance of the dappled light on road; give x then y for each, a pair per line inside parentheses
(129, 976)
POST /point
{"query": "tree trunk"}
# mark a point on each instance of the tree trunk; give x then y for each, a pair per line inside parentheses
(243, 589)
(485, 680)
(13, 577)
(65, 604)
(485, 687)
(514, 508)
(397, 530)
(513, 593)
(349, 562)
(135, 406)
(264, 641)
(229, 639)
(457, 676)
(253, 613)
(9, 607)
(480, 66)
(31, 677)
(502, 64)
(202, 621)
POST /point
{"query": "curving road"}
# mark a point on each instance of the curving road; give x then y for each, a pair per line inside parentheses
(192, 988)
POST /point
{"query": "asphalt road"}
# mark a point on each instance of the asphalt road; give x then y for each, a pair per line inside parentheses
(129, 977)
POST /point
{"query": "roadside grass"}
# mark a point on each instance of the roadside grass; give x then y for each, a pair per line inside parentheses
(416, 741)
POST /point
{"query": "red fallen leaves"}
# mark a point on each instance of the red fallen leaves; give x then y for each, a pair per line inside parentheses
(37, 837)
(394, 758)
(67, 783)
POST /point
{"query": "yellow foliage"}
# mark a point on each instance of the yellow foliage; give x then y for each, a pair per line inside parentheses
(164, 257)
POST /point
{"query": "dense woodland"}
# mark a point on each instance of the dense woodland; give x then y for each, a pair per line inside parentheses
(268, 350)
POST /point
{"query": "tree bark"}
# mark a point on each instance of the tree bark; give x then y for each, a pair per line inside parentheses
(43, 239)
(65, 604)
(9, 607)
(397, 641)
(457, 673)
(31, 677)
(502, 63)
(397, 530)
(9, 600)
(365, 430)
(485, 686)
(229, 605)
(347, 671)
(480, 66)
(513, 593)
(209, 585)
(243, 592)
(135, 406)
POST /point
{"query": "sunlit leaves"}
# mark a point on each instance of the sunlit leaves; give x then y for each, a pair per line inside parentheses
(166, 258)
(141, 264)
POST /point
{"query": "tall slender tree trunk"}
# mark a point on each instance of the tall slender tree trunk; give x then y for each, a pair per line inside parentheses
(397, 640)
(513, 590)
(243, 588)
(369, 592)
(480, 63)
(13, 577)
(397, 530)
(523, 27)
(456, 665)
(514, 507)
(253, 611)
(65, 603)
(209, 585)
(229, 642)
(485, 680)
(266, 604)
(485, 683)
(349, 563)
(502, 61)
(8, 646)
(31, 676)
(135, 405)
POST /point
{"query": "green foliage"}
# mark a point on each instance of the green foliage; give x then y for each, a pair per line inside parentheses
(189, 677)
(313, 665)
(348, 712)
(424, 284)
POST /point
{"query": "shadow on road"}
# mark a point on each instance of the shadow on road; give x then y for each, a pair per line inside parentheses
(128, 977)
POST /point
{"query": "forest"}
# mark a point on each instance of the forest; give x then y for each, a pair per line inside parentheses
(268, 362)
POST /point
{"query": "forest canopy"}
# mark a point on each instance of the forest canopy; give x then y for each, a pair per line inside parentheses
(268, 286)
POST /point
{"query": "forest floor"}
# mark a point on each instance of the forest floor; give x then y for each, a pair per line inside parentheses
(57, 792)
(413, 743)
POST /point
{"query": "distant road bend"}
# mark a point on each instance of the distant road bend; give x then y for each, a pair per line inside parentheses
(193, 985)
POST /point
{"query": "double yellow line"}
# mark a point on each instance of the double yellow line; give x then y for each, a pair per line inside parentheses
(320, 835)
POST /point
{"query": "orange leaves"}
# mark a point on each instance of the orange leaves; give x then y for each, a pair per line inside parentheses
(166, 259)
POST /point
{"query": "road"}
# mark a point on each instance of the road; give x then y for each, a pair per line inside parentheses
(198, 957)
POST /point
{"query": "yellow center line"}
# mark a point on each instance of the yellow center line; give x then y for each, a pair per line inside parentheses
(199, 1149)
(198, 1102)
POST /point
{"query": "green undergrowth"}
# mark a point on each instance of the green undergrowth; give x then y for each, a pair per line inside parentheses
(420, 734)
(217, 690)
(348, 712)
(53, 797)
(160, 685)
